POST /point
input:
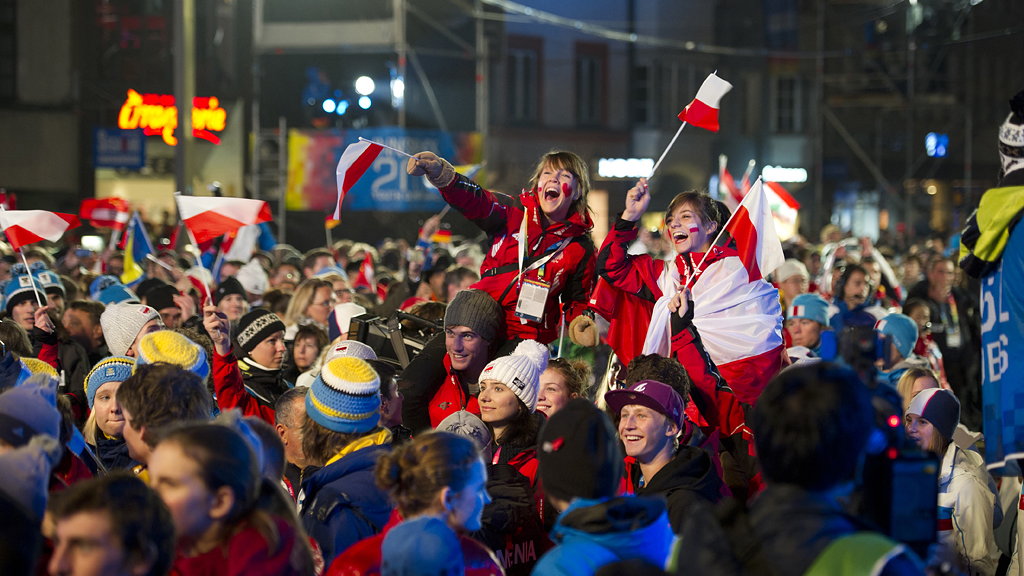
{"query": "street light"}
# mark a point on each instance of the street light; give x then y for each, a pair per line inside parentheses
(365, 85)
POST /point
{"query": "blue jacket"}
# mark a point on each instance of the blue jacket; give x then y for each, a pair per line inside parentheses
(593, 533)
(341, 504)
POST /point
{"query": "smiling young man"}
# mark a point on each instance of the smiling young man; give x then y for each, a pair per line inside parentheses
(650, 420)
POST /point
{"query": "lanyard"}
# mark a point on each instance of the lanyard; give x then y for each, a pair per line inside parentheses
(522, 250)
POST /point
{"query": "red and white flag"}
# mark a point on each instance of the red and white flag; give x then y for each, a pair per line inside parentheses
(110, 212)
(365, 278)
(208, 217)
(355, 161)
(784, 210)
(28, 226)
(703, 111)
(753, 228)
(728, 192)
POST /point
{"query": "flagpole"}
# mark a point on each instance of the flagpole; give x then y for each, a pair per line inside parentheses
(327, 233)
(719, 236)
(748, 171)
(667, 148)
(406, 154)
(115, 237)
(195, 245)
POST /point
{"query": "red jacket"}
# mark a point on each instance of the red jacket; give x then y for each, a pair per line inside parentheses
(245, 554)
(363, 558)
(450, 397)
(570, 273)
(230, 389)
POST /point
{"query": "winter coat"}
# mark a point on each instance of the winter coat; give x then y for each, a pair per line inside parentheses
(113, 452)
(967, 503)
(687, 478)
(432, 389)
(340, 504)
(590, 534)
(364, 558)
(570, 272)
(253, 395)
(245, 554)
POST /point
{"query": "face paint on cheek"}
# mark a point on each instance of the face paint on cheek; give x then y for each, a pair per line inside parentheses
(694, 229)
(567, 189)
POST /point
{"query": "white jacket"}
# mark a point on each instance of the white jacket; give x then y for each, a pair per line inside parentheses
(967, 503)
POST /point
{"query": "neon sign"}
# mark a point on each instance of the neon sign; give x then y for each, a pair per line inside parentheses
(156, 114)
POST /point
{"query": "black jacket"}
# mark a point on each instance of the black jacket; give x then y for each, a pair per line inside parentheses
(688, 478)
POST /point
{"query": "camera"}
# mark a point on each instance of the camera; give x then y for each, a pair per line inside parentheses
(397, 338)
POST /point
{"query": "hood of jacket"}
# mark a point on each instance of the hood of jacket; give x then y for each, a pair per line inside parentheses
(690, 470)
(628, 526)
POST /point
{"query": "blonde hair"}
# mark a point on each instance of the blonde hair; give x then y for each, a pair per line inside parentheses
(303, 298)
(906, 383)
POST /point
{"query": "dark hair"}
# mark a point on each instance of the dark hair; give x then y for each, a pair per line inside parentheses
(276, 301)
(573, 163)
(576, 374)
(15, 338)
(320, 444)
(701, 203)
(309, 258)
(811, 425)
(660, 369)
(139, 520)
(413, 473)
(160, 394)
(72, 289)
(457, 274)
(287, 405)
(386, 372)
(913, 303)
(848, 270)
(91, 307)
(311, 331)
(522, 430)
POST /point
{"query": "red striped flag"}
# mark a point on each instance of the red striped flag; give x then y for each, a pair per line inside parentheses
(728, 192)
(29, 226)
(355, 161)
(753, 228)
(110, 212)
(208, 217)
(703, 111)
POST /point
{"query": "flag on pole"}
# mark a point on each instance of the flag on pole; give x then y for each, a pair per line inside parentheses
(29, 226)
(745, 181)
(355, 161)
(366, 277)
(753, 228)
(703, 111)
(110, 212)
(784, 210)
(727, 190)
(137, 248)
(208, 217)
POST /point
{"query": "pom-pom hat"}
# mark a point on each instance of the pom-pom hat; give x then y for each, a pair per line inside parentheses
(345, 397)
(520, 371)
(173, 348)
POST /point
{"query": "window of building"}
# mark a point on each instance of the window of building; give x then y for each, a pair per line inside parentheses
(524, 79)
(8, 50)
(786, 101)
(591, 83)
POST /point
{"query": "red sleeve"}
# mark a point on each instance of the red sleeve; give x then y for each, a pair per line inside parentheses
(576, 295)
(48, 353)
(486, 209)
(712, 396)
(621, 269)
(231, 392)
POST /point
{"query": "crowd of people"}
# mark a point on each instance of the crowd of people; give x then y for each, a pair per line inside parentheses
(535, 404)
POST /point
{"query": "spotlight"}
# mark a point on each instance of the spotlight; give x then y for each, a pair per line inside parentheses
(365, 85)
(329, 106)
(364, 102)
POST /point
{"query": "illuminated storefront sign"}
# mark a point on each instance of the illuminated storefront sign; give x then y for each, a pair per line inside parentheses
(624, 167)
(781, 174)
(156, 114)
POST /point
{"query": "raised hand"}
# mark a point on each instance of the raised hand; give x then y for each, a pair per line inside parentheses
(218, 327)
(637, 200)
(425, 163)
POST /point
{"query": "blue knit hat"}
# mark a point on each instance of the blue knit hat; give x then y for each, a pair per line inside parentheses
(47, 279)
(101, 282)
(117, 294)
(810, 306)
(110, 369)
(903, 331)
(345, 397)
(17, 290)
(173, 348)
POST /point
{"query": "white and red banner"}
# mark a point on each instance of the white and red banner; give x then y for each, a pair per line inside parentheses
(24, 227)
(208, 217)
(753, 228)
(728, 192)
(110, 212)
(355, 161)
(703, 111)
(784, 210)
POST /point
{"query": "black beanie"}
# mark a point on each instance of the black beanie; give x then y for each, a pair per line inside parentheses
(476, 310)
(148, 284)
(230, 285)
(578, 453)
(161, 297)
(257, 326)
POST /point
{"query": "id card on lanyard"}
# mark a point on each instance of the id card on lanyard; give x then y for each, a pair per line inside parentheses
(533, 296)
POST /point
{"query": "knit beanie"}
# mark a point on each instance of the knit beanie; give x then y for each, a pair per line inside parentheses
(253, 278)
(110, 369)
(791, 267)
(811, 307)
(17, 290)
(173, 348)
(520, 371)
(28, 410)
(1011, 136)
(476, 310)
(122, 323)
(48, 280)
(148, 284)
(101, 282)
(655, 395)
(340, 320)
(345, 397)
(37, 366)
(255, 327)
(903, 331)
(117, 294)
(938, 406)
(353, 348)
(465, 423)
(26, 472)
(160, 297)
(578, 453)
(422, 546)
(230, 285)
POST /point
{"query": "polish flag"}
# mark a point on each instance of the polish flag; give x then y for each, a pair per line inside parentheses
(728, 192)
(365, 278)
(355, 161)
(106, 212)
(784, 210)
(753, 228)
(208, 217)
(703, 111)
(28, 226)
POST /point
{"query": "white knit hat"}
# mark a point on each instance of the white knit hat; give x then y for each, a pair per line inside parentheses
(520, 371)
(253, 278)
(353, 348)
(122, 323)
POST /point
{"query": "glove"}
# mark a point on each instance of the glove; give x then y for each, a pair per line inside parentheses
(438, 170)
(583, 331)
(511, 499)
